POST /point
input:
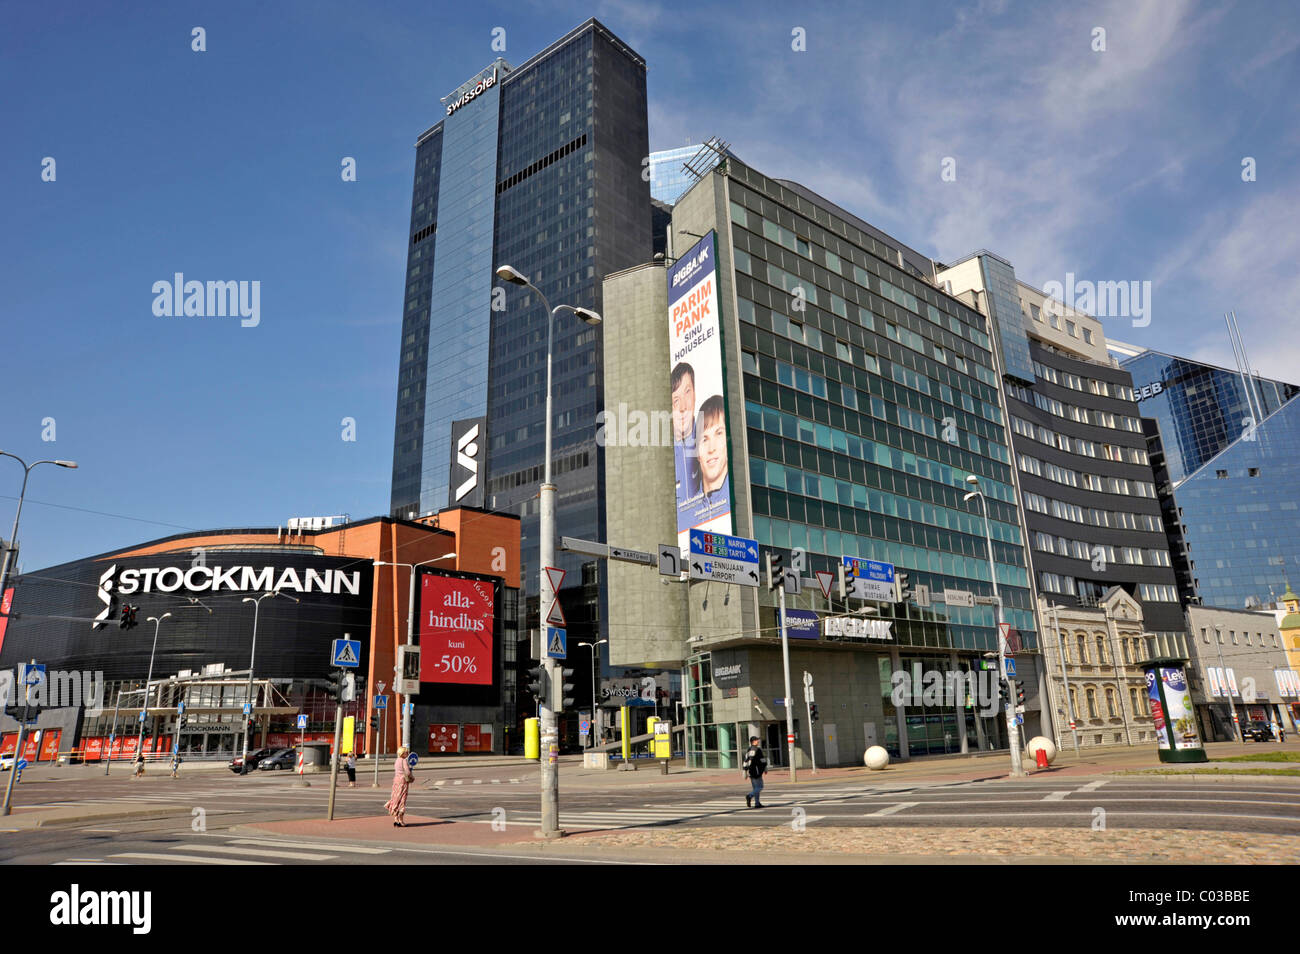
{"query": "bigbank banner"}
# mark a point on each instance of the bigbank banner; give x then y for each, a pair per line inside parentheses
(701, 448)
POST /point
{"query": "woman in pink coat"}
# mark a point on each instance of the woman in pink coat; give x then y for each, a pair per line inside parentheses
(402, 776)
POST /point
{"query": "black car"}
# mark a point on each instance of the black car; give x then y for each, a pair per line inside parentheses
(282, 759)
(1259, 732)
(237, 763)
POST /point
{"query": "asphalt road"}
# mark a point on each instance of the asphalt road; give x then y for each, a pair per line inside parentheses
(216, 802)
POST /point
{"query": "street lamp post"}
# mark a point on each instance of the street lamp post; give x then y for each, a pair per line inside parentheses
(1013, 737)
(13, 537)
(549, 733)
(1065, 676)
(410, 634)
(248, 694)
(144, 709)
(591, 735)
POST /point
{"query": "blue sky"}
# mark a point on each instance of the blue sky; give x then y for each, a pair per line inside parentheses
(225, 165)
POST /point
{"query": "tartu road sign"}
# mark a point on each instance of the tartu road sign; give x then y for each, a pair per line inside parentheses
(727, 559)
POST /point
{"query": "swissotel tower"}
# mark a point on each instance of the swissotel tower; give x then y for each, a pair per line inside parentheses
(539, 167)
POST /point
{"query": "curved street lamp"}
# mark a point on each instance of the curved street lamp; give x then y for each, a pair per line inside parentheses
(248, 694)
(546, 505)
(144, 710)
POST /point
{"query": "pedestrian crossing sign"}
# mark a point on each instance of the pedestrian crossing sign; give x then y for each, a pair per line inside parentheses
(556, 642)
(346, 653)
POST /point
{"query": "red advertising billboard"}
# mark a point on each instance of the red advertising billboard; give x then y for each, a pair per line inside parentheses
(444, 738)
(92, 749)
(456, 630)
(476, 737)
(50, 745)
(5, 603)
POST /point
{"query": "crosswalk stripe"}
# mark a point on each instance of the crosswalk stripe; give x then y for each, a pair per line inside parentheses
(1093, 786)
(1055, 796)
(196, 859)
(901, 806)
(257, 852)
(349, 849)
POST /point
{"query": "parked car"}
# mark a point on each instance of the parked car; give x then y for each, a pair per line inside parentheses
(237, 763)
(6, 763)
(1259, 732)
(282, 759)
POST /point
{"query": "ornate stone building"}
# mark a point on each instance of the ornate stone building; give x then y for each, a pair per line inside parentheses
(1102, 646)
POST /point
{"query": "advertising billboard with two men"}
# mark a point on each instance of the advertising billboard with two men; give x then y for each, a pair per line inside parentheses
(701, 448)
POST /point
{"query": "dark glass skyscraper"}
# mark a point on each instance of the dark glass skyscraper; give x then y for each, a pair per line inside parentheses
(538, 167)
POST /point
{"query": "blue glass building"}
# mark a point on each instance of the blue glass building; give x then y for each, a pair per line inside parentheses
(538, 167)
(668, 180)
(1200, 408)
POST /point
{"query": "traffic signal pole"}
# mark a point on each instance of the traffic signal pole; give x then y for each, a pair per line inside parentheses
(789, 697)
(808, 701)
(338, 750)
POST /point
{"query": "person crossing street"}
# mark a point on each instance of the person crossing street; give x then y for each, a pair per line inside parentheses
(755, 767)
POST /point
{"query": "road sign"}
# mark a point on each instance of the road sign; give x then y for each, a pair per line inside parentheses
(412, 759)
(984, 600)
(631, 556)
(302, 721)
(584, 725)
(381, 702)
(248, 708)
(345, 653)
(779, 702)
(33, 674)
(869, 579)
(556, 643)
(670, 560)
(825, 581)
(958, 598)
(1011, 666)
(921, 592)
(554, 614)
(141, 715)
(1020, 708)
(1020, 720)
(727, 559)
(807, 679)
(180, 708)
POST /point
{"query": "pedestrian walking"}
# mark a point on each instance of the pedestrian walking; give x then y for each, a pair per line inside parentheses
(176, 765)
(402, 776)
(755, 767)
(351, 767)
(139, 765)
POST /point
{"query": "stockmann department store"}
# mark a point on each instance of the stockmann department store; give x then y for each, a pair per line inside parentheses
(859, 398)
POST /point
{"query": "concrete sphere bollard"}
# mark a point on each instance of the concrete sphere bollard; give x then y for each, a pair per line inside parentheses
(876, 758)
(1047, 745)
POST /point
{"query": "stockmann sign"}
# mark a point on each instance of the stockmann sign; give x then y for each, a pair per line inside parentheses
(211, 579)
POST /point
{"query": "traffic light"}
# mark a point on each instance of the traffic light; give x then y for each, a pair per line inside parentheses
(1004, 693)
(334, 684)
(901, 591)
(1020, 694)
(812, 711)
(566, 688)
(537, 683)
(128, 619)
(775, 573)
(374, 722)
(349, 687)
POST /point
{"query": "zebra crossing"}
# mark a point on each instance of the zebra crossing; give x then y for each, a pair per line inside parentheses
(648, 816)
(207, 850)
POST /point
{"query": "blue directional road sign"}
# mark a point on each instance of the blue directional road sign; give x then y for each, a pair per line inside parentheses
(556, 642)
(869, 579)
(1011, 666)
(302, 722)
(1020, 720)
(346, 653)
(381, 702)
(412, 759)
(727, 559)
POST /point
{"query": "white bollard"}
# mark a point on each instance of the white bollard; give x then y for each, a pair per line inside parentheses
(1046, 744)
(876, 758)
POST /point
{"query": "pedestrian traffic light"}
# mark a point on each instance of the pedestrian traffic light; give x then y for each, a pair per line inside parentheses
(537, 683)
(902, 593)
(812, 711)
(1020, 694)
(775, 573)
(566, 687)
(334, 684)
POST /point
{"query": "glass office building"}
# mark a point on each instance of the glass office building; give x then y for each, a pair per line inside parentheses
(668, 180)
(1239, 516)
(539, 167)
(859, 397)
(1090, 501)
(1200, 408)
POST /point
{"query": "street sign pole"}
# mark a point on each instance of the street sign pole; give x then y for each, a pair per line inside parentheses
(789, 698)
(338, 747)
(807, 702)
